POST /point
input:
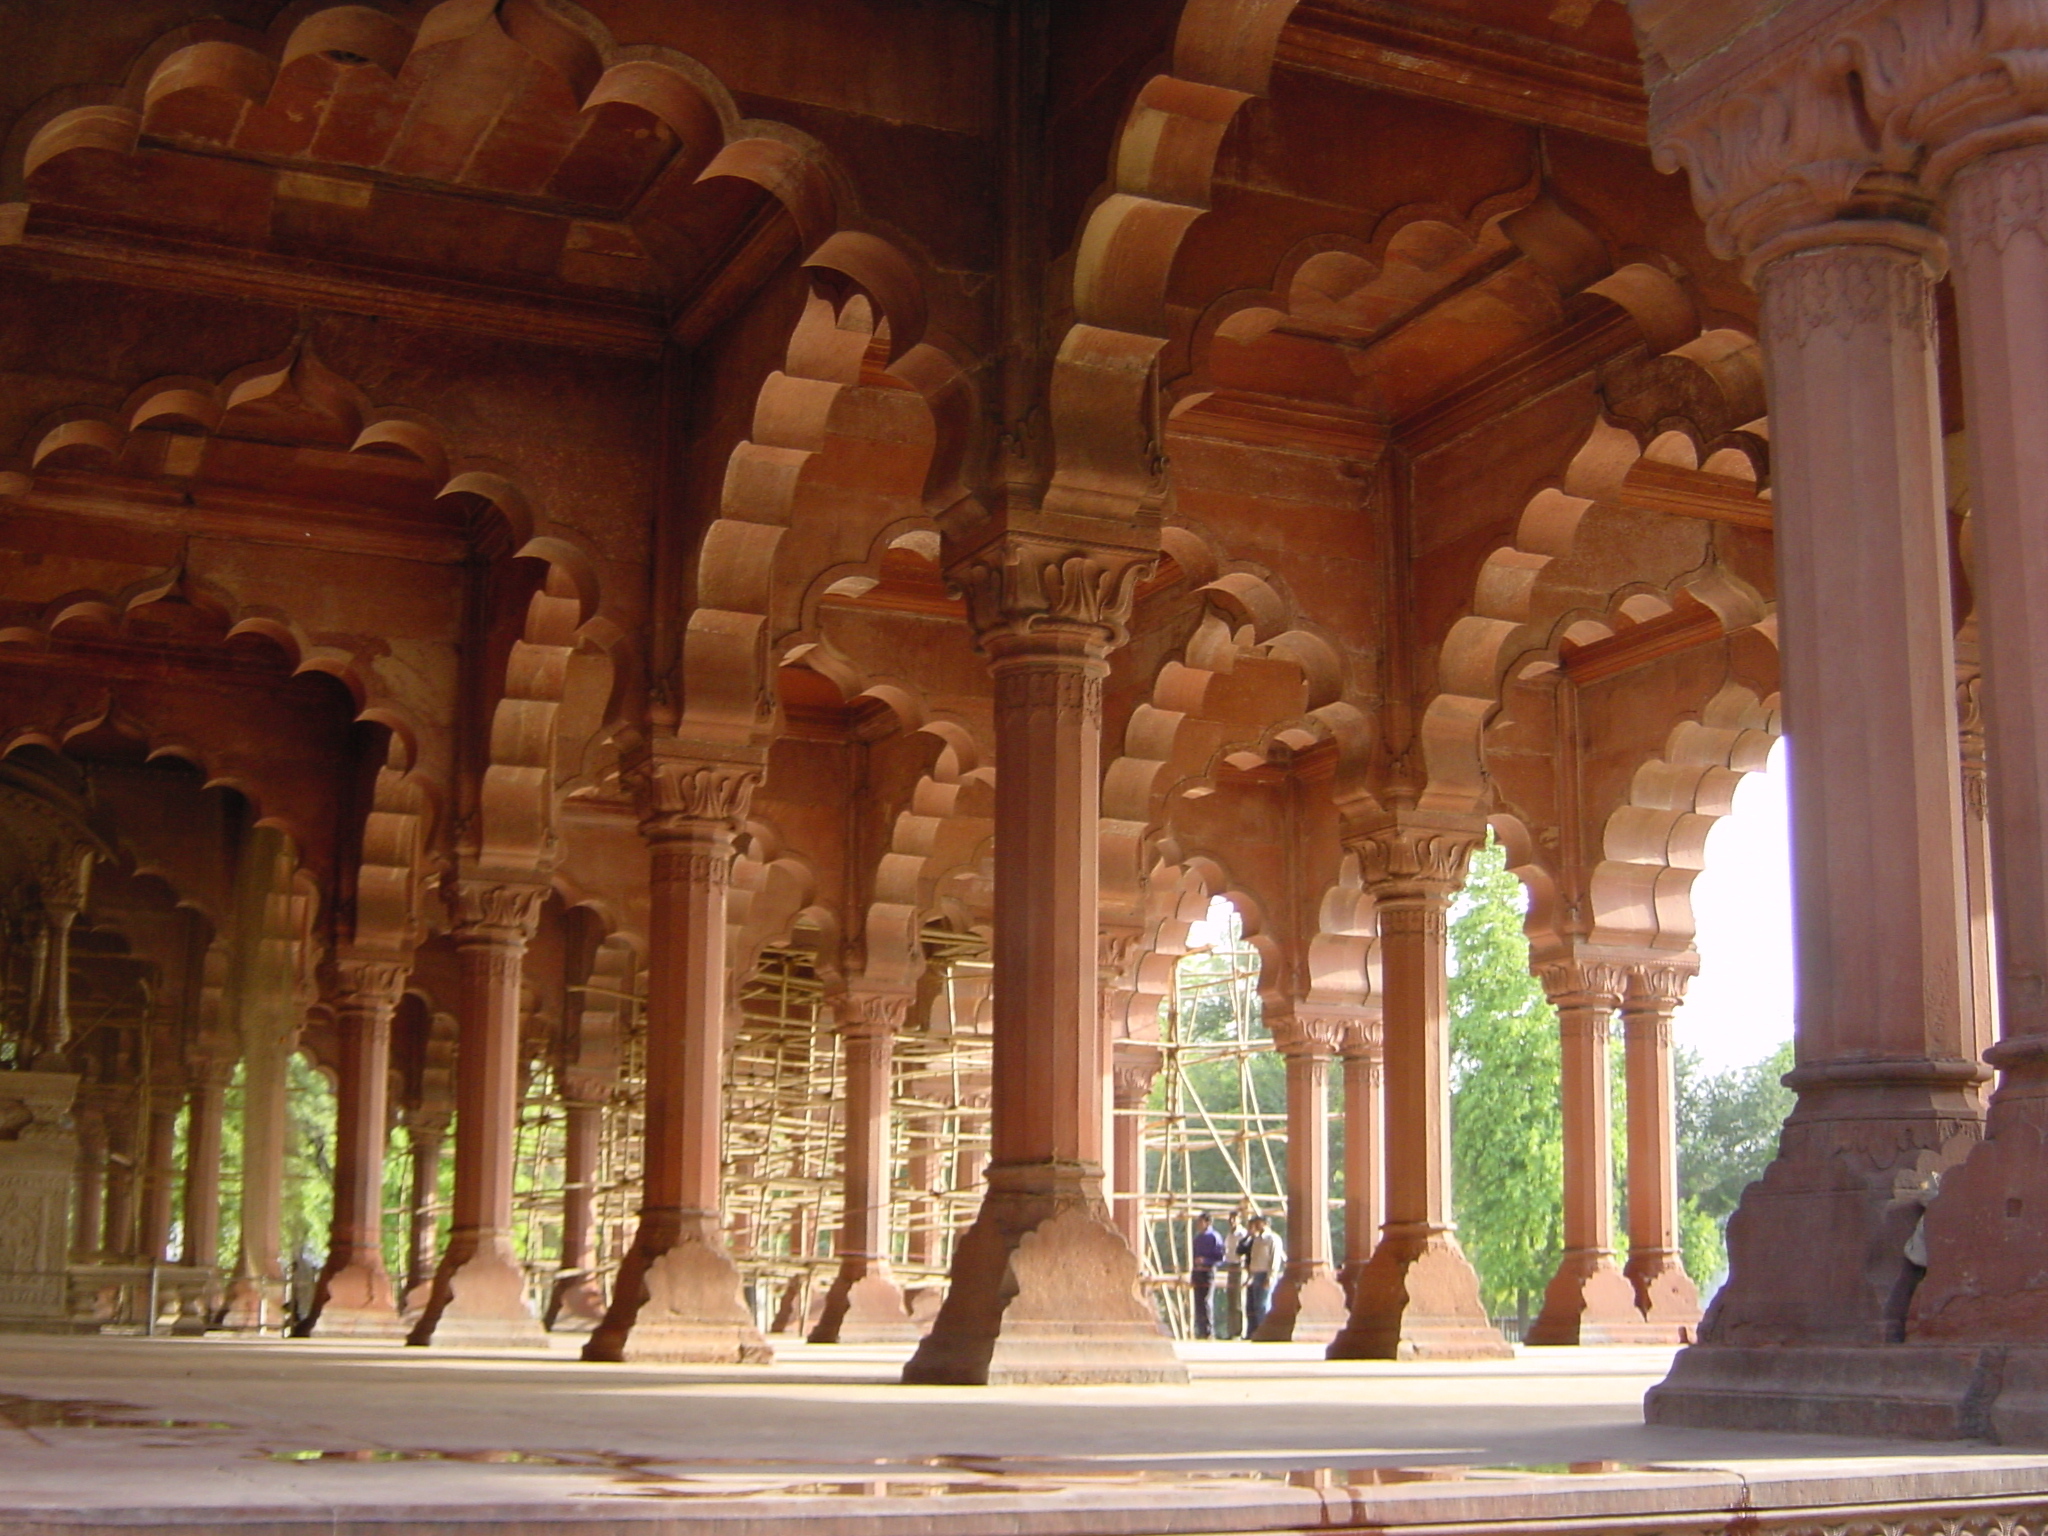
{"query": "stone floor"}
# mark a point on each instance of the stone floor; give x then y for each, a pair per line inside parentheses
(137, 1434)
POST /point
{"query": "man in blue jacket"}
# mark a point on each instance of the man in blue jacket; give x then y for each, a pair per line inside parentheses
(1208, 1254)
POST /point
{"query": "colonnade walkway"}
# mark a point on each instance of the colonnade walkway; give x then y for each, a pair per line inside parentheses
(133, 1434)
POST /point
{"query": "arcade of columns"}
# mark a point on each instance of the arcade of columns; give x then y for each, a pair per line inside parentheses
(513, 508)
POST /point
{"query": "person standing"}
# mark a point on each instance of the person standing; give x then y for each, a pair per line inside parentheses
(1208, 1251)
(1263, 1256)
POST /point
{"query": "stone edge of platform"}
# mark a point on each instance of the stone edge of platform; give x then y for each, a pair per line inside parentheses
(1845, 1496)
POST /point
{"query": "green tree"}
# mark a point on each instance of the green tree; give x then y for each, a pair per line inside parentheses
(1507, 1134)
(1728, 1125)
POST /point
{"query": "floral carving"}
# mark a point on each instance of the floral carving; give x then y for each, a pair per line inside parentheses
(1418, 860)
(1015, 586)
(498, 911)
(869, 1012)
(366, 983)
(1583, 984)
(673, 792)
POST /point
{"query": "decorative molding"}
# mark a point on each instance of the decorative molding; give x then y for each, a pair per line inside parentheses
(676, 858)
(1365, 1037)
(1843, 289)
(1062, 684)
(1312, 1031)
(1133, 1070)
(365, 983)
(1658, 988)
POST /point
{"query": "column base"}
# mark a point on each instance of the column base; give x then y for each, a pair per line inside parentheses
(1308, 1307)
(678, 1299)
(1590, 1301)
(1044, 1291)
(865, 1306)
(577, 1305)
(1418, 1300)
(1896, 1391)
(478, 1300)
(1816, 1250)
(792, 1311)
(355, 1301)
(1988, 1228)
(1665, 1295)
(255, 1304)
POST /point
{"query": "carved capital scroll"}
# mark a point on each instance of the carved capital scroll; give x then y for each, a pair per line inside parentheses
(1414, 861)
(1583, 984)
(869, 1011)
(363, 982)
(675, 795)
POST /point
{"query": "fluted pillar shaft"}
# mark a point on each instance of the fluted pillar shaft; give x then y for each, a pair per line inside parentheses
(1664, 1293)
(1866, 640)
(1364, 1150)
(159, 1174)
(1418, 1297)
(479, 1291)
(1134, 1070)
(1308, 1304)
(203, 1148)
(355, 1296)
(864, 1303)
(678, 1295)
(1987, 1229)
(1047, 608)
(1588, 1300)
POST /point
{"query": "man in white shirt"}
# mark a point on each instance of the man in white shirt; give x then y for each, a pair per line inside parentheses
(1264, 1257)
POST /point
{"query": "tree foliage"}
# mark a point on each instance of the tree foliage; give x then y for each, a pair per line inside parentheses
(1728, 1125)
(1507, 1134)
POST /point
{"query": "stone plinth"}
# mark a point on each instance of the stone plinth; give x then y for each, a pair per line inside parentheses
(1044, 1291)
(679, 1299)
(865, 1305)
(1309, 1305)
(1418, 1299)
(1590, 1301)
(38, 1150)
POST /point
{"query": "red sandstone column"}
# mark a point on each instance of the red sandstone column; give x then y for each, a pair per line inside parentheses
(354, 1297)
(1816, 1249)
(864, 1303)
(1982, 1032)
(89, 1208)
(428, 1135)
(201, 1238)
(1134, 1068)
(678, 1295)
(1066, 1305)
(578, 1303)
(62, 881)
(1364, 1150)
(1588, 1301)
(1308, 1304)
(479, 1292)
(159, 1174)
(1664, 1293)
(203, 1131)
(1986, 1231)
(117, 1240)
(255, 1296)
(1418, 1298)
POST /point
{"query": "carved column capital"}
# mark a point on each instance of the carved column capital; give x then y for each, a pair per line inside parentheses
(680, 797)
(1365, 1036)
(63, 870)
(1406, 861)
(497, 911)
(364, 982)
(1310, 1029)
(1133, 1070)
(872, 1011)
(1582, 983)
(1030, 587)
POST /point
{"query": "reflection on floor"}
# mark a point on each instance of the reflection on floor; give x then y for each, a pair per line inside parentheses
(139, 1434)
